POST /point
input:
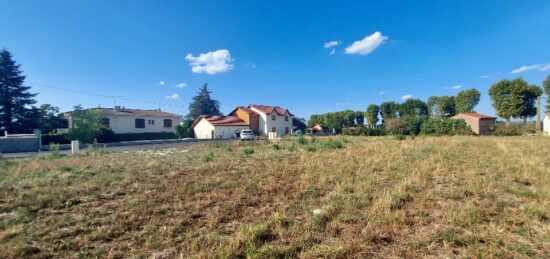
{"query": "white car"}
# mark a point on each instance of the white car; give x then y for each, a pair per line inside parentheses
(247, 134)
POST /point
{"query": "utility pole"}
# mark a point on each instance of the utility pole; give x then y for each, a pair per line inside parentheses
(114, 99)
(538, 114)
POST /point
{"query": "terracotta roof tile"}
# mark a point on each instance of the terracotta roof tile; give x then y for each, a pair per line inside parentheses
(222, 120)
(268, 109)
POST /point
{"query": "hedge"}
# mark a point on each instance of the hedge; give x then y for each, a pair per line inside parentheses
(445, 126)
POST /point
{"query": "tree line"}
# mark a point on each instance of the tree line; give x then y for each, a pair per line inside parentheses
(512, 99)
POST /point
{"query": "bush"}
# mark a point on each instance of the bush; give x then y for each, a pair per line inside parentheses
(400, 137)
(396, 126)
(301, 140)
(106, 136)
(208, 157)
(248, 151)
(413, 125)
(445, 126)
(54, 139)
(276, 147)
(507, 130)
(332, 144)
(361, 131)
(144, 136)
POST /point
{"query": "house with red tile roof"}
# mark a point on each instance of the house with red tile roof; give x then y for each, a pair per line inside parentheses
(263, 119)
(481, 124)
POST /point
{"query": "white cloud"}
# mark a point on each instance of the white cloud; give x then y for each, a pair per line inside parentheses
(456, 87)
(341, 104)
(485, 76)
(213, 62)
(407, 96)
(539, 67)
(331, 44)
(367, 45)
(332, 52)
(251, 65)
(181, 85)
(161, 83)
(173, 96)
(381, 92)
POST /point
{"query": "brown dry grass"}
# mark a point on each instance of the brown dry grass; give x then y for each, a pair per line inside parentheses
(343, 197)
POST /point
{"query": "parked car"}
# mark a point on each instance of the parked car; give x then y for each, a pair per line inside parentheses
(247, 134)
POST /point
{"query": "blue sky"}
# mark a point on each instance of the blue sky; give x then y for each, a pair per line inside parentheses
(273, 52)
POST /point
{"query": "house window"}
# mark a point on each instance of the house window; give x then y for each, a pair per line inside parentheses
(286, 118)
(273, 129)
(105, 122)
(273, 117)
(167, 123)
(140, 123)
(151, 122)
(286, 130)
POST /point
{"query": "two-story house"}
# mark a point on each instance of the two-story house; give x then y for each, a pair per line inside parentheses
(263, 119)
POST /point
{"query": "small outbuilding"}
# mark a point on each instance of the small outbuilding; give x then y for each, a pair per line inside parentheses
(218, 127)
(481, 124)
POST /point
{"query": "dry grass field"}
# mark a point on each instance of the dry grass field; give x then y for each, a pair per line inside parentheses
(308, 198)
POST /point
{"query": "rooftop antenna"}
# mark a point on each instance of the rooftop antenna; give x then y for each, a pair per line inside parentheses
(114, 99)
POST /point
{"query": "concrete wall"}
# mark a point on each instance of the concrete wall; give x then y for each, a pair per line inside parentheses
(126, 124)
(19, 144)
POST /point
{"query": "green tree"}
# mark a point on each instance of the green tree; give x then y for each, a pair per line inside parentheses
(17, 115)
(86, 125)
(359, 118)
(466, 101)
(441, 106)
(546, 86)
(514, 99)
(348, 118)
(203, 104)
(372, 115)
(184, 130)
(389, 110)
(529, 102)
(50, 119)
(413, 108)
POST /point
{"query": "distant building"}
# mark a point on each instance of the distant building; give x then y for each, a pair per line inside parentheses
(546, 124)
(122, 120)
(480, 124)
(218, 127)
(263, 119)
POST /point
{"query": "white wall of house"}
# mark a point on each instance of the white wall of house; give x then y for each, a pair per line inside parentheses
(203, 130)
(280, 124)
(127, 124)
(546, 125)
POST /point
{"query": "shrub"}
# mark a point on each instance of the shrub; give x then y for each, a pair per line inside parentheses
(396, 126)
(208, 157)
(106, 136)
(399, 137)
(145, 136)
(361, 131)
(445, 126)
(57, 139)
(311, 148)
(248, 151)
(413, 125)
(332, 144)
(507, 130)
(301, 140)
(276, 147)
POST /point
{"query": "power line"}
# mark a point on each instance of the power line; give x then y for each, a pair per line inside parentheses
(105, 96)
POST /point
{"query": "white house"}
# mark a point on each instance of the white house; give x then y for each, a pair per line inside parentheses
(218, 127)
(262, 119)
(122, 120)
(546, 124)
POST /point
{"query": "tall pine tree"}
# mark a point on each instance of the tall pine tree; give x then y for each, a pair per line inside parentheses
(17, 115)
(203, 104)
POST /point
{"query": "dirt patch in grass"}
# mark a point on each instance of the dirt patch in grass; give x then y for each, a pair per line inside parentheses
(300, 197)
